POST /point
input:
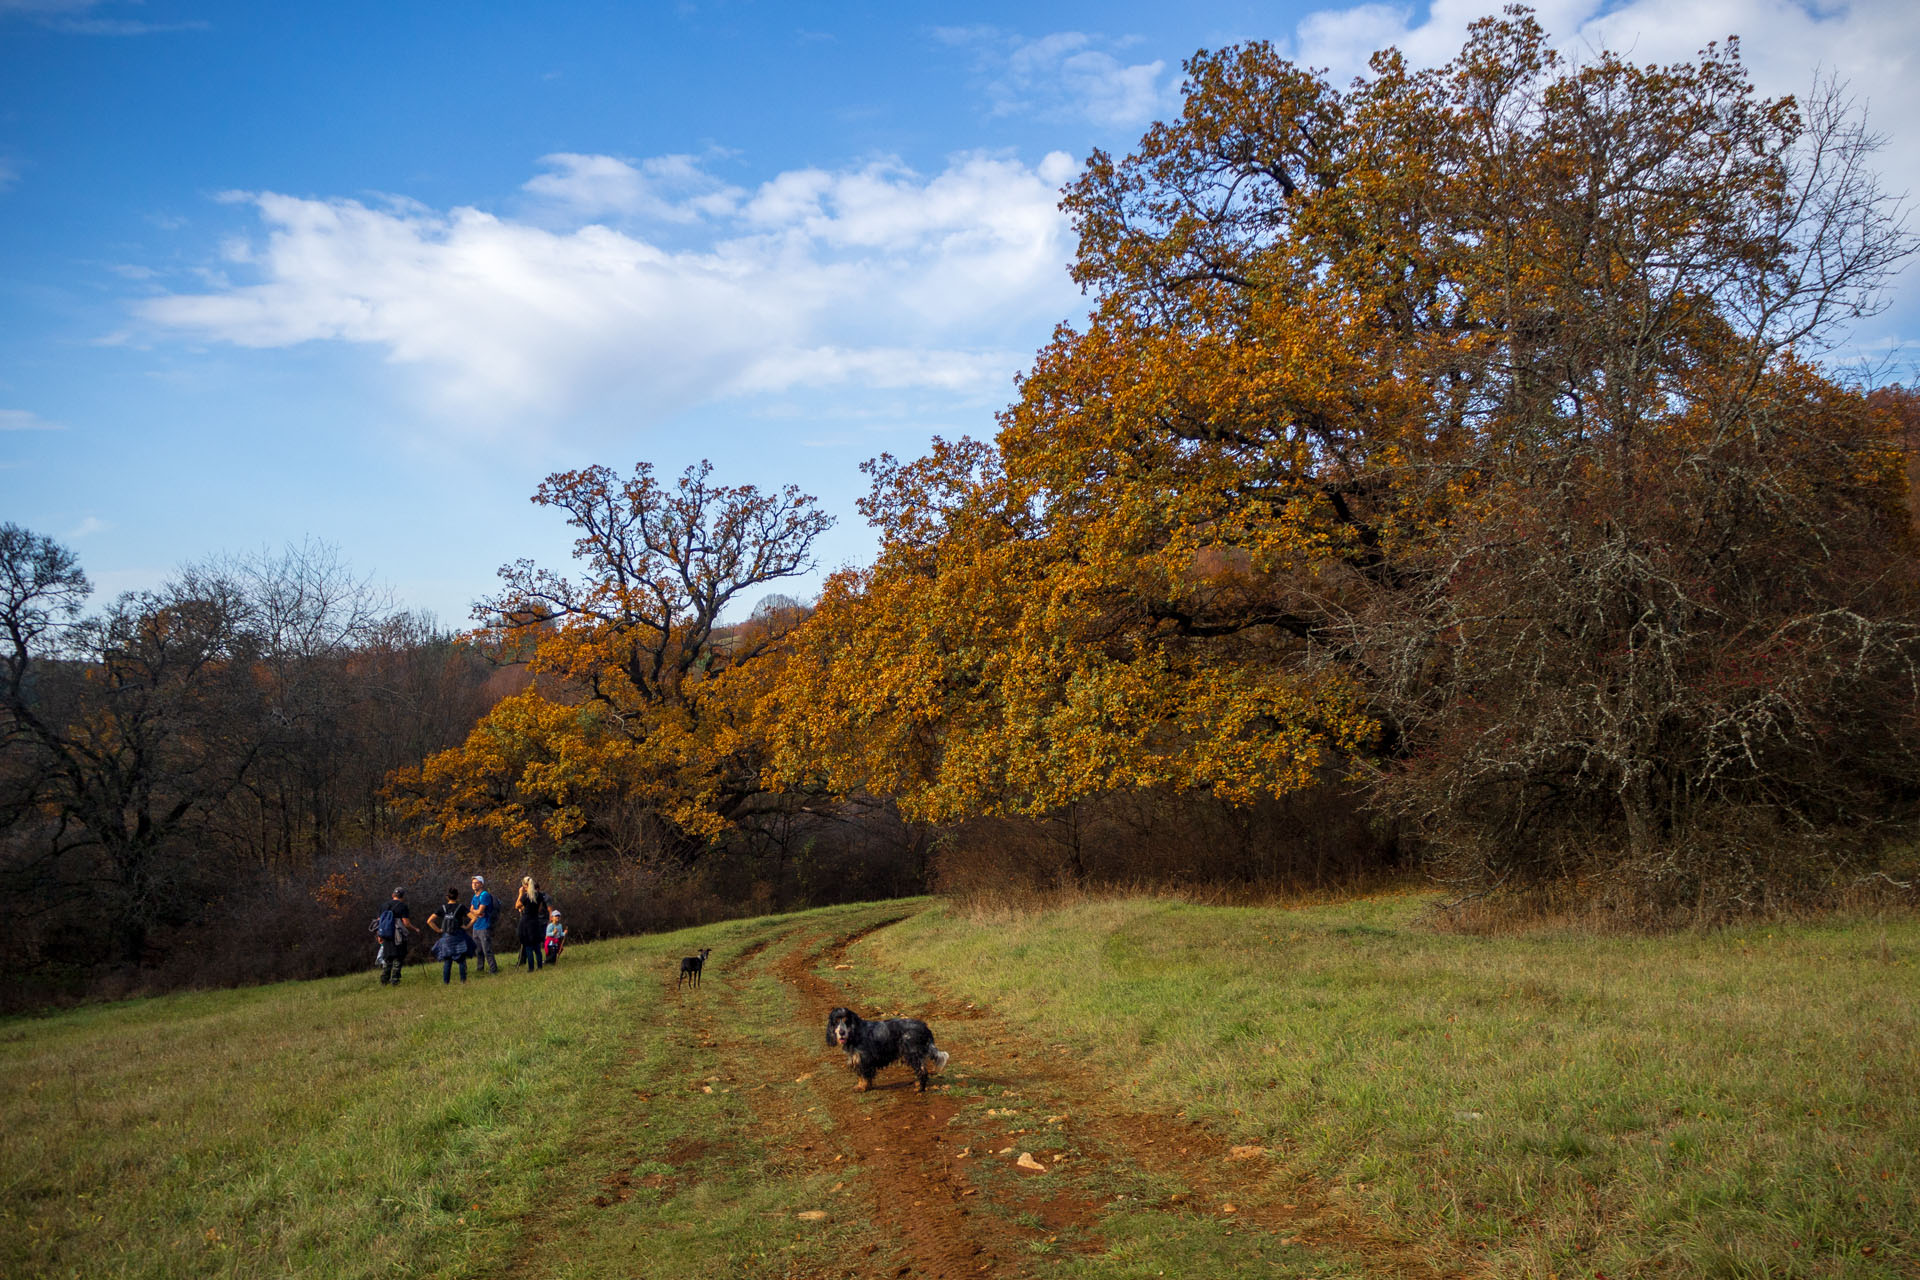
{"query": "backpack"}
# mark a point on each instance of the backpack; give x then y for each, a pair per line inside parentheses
(383, 925)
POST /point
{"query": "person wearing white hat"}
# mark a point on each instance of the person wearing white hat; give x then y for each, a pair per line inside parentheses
(483, 912)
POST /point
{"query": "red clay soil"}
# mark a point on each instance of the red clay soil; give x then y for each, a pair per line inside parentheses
(936, 1182)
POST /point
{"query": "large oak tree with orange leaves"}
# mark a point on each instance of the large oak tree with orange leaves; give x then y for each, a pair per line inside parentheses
(628, 740)
(1460, 433)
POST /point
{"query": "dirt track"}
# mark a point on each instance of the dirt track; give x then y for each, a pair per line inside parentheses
(935, 1176)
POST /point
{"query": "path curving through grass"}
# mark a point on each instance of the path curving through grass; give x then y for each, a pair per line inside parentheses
(1206, 1092)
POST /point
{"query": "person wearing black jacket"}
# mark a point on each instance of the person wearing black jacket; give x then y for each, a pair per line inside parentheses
(532, 906)
(393, 943)
(453, 945)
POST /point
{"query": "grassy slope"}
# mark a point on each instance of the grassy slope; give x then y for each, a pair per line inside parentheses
(1740, 1104)
(332, 1127)
(341, 1129)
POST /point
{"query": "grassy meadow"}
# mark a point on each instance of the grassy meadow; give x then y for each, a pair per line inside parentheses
(342, 1129)
(1549, 1105)
(1734, 1104)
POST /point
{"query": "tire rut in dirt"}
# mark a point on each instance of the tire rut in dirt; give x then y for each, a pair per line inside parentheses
(926, 1215)
(920, 1198)
(906, 1187)
(1221, 1179)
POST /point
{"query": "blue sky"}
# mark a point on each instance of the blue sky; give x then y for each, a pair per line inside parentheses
(366, 272)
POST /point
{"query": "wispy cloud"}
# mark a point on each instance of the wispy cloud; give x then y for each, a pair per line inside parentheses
(81, 17)
(667, 188)
(874, 276)
(26, 420)
(1068, 74)
(88, 526)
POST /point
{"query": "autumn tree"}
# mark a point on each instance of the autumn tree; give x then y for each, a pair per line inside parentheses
(629, 742)
(1458, 432)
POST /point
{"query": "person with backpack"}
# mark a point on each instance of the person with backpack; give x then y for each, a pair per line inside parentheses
(392, 926)
(453, 944)
(483, 910)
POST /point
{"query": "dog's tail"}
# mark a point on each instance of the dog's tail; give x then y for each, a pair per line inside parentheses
(939, 1059)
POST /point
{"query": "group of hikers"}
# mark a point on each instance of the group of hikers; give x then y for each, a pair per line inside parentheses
(467, 929)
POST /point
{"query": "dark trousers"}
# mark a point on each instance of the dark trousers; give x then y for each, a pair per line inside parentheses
(394, 955)
(530, 956)
(446, 969)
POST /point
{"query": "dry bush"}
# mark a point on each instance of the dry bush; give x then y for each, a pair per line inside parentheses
(1190, 845)
(1732, 866)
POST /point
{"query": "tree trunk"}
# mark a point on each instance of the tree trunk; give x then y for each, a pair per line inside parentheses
(1636, 805)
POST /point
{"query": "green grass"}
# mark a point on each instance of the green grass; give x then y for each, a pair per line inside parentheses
(326, 1128)
(1741, 1104)
(342, 1129)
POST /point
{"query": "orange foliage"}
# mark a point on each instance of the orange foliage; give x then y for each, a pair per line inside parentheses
(1338, 337)
(1402, 410)
(629, 712)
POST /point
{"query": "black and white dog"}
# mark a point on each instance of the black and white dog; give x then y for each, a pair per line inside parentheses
(870, 1046)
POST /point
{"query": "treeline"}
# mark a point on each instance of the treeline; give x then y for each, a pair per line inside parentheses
(169, 759)
(196, 784)
(1447, 462)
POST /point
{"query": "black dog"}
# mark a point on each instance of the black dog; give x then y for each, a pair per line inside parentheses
(870, 1046)
(690, 967)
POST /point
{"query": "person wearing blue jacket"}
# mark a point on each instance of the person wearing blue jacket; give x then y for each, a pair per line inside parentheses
(483, 912)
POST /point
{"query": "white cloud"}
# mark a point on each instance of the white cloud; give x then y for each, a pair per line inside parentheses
(874, 276)
(669, 188)
(886, 368)
(90, 525)
(24, 420)
(1068, 75)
